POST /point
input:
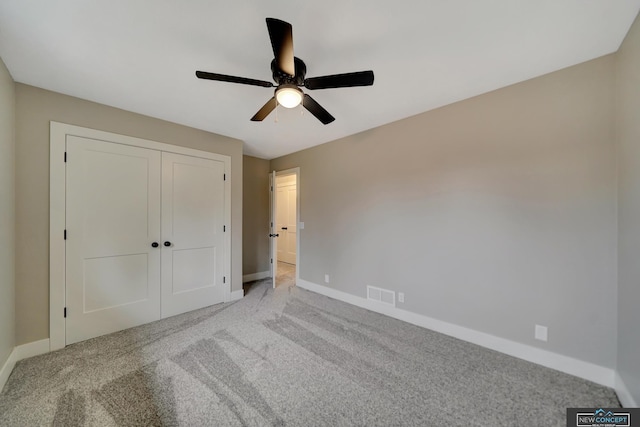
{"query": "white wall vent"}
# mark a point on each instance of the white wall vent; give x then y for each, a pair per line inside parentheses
(384, 296)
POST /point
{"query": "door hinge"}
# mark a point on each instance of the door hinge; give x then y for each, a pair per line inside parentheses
(224, 228)
(224, 279)
(271, 260)
(65, 234)
(65, 157)
(272, 188)
(224, 176)
(65, 312)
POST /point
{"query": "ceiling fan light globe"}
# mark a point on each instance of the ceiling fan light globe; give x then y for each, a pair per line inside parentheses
(289, 96)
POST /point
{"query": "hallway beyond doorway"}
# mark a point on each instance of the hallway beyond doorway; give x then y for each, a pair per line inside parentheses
(286, 275)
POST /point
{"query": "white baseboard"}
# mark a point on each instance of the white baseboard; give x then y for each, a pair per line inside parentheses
(6, 369)
(255, 276)
(624, 395)
(236, 295)
(20, 352)
(579, 368)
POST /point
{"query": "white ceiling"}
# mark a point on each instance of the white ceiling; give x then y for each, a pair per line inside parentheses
(141, 55)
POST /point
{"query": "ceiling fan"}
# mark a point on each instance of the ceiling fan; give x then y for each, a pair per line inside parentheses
(289, 74)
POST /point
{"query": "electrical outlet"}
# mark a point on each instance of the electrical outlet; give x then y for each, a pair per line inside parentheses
(400, 296)
(326, 278)
(541, 333)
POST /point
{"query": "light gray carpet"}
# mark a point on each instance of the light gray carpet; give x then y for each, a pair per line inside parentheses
(286, 274)
(287, 357)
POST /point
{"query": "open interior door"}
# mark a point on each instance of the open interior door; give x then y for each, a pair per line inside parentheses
(273, 230)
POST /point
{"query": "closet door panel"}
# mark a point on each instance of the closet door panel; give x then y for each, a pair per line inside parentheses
(112, 218)
(192, 232)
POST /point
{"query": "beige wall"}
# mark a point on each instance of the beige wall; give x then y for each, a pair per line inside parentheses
(7, 214)
(495, 213)
(35, 108)
(255, 216)
(628, 133)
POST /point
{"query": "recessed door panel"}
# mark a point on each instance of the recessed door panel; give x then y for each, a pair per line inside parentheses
(113, 216)
(196, 208)
(111, 282)
(193, 269)
(114, 185)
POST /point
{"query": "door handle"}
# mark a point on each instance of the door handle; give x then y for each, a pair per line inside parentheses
(167, 243)
(284, 228)
(154, 245)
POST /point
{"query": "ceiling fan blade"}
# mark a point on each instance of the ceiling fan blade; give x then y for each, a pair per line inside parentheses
(265, 110)
(232, 79)
(359, 78)
(316, 109)
(281, 35)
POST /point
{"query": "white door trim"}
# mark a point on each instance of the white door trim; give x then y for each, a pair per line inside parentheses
(296, 172)
(57, 207)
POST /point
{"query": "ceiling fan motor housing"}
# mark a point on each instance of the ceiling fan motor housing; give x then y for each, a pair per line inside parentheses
(281, 77)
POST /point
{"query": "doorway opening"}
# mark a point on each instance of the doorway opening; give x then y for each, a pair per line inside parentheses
(284, 226)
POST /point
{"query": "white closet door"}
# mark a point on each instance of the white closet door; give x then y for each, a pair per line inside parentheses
(192, 233)
(112, 217)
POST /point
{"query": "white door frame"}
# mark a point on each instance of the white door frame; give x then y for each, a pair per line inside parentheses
(274, 246)
(57, 209)
(273, 242)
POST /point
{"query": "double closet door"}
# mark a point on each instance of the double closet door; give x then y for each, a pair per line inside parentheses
(145, 236)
